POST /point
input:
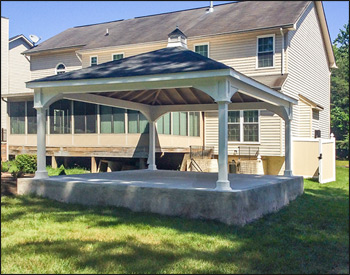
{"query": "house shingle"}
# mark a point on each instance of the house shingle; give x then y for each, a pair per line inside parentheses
(226, 18)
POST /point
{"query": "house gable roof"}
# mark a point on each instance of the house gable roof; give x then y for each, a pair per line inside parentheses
(163, 61)
(20, 36)
(226, 18)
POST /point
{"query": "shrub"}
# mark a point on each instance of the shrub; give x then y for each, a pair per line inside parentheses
(26, 163)
(14, 170)
(4, 166)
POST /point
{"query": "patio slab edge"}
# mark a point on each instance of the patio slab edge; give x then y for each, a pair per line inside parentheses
(230, 208)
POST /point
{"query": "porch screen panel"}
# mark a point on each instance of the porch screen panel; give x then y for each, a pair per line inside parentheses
(132, 121)
(176, 123)
(143, 123)
(183, 124)
(85, 117)
(194, 124)
(91, 118)
(17, 117)
(118, 120)
(167, 123)
(31, 118)
(160, 123)
(60, 117)
(106, 119)
(163, 124)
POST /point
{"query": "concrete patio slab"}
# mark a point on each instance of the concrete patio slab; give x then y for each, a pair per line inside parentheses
(186, 194)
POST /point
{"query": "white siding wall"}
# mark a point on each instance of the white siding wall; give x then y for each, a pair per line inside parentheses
(235, 50)
(19, 67)
(308, 69)
(271, 127)
(4, 66)
(45, 65)
(304, 120)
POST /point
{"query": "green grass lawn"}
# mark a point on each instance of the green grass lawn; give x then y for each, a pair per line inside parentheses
(311, 235)
(69, 171)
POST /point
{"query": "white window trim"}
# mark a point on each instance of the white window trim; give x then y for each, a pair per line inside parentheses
(257, 50)
(118, 53)
(202, 44)
(241, 129)
(65, 67)
(91, 56)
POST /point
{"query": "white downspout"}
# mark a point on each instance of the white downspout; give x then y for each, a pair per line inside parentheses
(282, 52)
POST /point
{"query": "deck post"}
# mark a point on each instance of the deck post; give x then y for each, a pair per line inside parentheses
(223, 183)
(152, 146)
(288, 148)
(41, 144)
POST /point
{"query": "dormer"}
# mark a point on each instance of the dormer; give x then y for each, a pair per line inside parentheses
(177, 39)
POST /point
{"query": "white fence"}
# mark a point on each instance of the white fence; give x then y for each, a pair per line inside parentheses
(314, 158)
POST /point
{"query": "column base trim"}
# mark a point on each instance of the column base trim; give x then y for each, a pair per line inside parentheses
(223, 185)
(152, 167)
(288, 173)
(41, 175)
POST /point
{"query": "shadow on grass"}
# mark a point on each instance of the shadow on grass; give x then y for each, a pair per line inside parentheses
(311, 235)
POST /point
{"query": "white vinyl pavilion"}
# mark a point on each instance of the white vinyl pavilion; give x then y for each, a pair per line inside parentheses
(220, 85)
(168, 80)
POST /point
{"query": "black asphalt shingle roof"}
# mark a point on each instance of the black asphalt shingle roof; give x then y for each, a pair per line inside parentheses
(226, 18)
(163, 61)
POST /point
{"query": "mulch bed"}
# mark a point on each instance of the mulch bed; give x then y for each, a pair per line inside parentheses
(9, 183)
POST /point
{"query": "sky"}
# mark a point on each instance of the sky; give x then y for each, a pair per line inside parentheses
(48, 18)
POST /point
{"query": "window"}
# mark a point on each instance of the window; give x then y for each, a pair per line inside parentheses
(266, 50)
(60, 69)
(31, 118)
(17, 117)
(85, 117)
(93, 60)
(234, 128)
(118, 56)
(112, 120)
(60, 117)
(243, 126)
(194, 124)
(164, 124)
(202, 49)
(137, 122)
(251, 126)
(180, 123)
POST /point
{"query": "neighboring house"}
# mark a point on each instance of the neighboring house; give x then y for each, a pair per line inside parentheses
(15, 72)
(283, 44)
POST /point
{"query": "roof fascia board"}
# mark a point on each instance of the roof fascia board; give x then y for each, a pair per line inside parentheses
(313, 104)
(325, 33)
(23, 37)
(262, 87)
(63, 49)
(130, 79)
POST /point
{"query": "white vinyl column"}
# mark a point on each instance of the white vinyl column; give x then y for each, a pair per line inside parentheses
(288, 148)
(223, 182)
(41, 144)
(152, 146)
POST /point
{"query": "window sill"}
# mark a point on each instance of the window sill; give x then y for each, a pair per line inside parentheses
(263, 68)
(243, 143)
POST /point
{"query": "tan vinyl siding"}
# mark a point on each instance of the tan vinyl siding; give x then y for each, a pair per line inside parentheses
(4, 66)
(304, 119)
(270, 134)
(45, 65)
(19, 68)
(106, 55)
(308, 69)
(235, 50)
